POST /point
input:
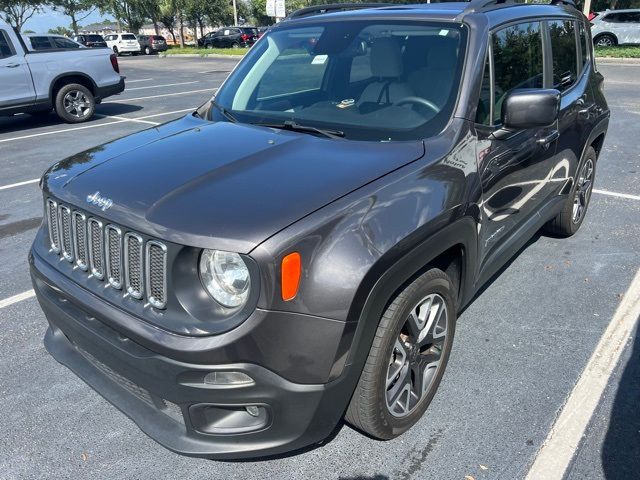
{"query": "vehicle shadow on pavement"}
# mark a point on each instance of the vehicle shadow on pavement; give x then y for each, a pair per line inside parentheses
(22, 122)
(621, 448)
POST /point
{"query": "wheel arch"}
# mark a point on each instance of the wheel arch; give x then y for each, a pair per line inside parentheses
(607, 33)
(453, 249)
(72, 77)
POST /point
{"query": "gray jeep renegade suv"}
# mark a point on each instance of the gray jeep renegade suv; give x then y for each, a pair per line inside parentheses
(296, 251)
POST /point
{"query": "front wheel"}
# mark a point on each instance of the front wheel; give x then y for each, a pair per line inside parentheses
(407, 359)
(147, 51)
(568, 221)
(606, 40)
(115, 50)
(74, 103)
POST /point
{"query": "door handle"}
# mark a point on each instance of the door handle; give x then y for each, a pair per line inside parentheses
(585, 110)
(12, 65)
(551, 137)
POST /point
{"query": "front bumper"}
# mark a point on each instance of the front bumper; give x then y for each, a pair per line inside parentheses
(169, 399)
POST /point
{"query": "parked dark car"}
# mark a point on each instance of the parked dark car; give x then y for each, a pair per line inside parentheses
(90, 41)
(152, 44)
(201, 41)
(300, 246)
(231, 37)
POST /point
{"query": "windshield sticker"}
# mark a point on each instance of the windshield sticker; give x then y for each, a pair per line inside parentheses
(319, 59)
(444, 33)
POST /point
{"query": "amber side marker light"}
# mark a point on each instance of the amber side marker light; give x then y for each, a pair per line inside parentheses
(290, 276)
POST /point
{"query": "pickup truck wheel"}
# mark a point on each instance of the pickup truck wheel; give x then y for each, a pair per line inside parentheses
(568, 221)
(75, 103)
(407, 359)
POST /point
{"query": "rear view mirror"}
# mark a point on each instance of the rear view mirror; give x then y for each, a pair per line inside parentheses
(530, 108)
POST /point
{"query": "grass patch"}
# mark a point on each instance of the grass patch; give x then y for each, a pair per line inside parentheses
(623, 51)
(203, 52)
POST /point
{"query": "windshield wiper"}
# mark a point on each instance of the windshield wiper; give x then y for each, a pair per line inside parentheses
(227, 114)
(296, 127)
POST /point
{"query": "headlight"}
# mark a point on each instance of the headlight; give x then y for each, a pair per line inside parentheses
(225, 276)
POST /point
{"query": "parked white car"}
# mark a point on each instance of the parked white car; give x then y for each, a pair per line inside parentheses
(123, 43)
(616, 27)
(70, 81)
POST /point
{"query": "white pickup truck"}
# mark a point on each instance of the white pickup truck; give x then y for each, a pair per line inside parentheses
(69, 81)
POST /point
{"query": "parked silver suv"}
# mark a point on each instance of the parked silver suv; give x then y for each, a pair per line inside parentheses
(616, 27)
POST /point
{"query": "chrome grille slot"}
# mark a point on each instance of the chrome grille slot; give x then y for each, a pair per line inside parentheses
(79, 226)
(96, 248)
(156, 268)
(113, 251)
(52, 220)
(66, 245)
(133, 251)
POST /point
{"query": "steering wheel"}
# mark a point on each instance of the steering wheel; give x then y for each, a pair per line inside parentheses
(418, 101)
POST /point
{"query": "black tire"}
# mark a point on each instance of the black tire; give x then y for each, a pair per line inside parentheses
(369, 408)
(147, 51)
(568, 221)
(208, 46)
(605, 40)
(67, 95)
(235, 45)
(115, 50)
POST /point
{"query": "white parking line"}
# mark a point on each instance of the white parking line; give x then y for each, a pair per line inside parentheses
(564, 438)
(615, 194)
(17, 298)
(19, 184)
(131, 119)
(125, 100)
(160, 86)
(124, 119)
(139, 80)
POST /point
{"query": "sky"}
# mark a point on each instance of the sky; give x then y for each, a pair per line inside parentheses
(43, 21)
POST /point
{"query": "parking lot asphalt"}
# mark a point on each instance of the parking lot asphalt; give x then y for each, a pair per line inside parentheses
(520, 347)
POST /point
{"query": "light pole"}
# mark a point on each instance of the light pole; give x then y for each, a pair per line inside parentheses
(235, 13)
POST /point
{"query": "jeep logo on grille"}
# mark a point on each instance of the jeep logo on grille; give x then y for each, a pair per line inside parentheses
(99, 201)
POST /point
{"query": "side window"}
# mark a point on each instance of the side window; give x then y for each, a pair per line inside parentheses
(64, 43)
(6, 49)
(483, 112)
(517, 60)
(635, 17)
(564, 53)
(40, 43)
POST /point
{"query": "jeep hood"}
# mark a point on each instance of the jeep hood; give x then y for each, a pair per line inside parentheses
(219, 185)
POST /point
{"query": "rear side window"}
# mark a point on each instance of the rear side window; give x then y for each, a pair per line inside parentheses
(517, 61)
(6, 50)
(64, 43)
(564, 53)
(40, 43)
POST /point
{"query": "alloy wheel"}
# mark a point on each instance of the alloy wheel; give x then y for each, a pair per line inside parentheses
(77, 104)
(416, 355)
(583, 191)
(604, 41)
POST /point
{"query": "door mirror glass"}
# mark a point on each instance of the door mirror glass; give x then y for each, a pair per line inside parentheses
(530, 108)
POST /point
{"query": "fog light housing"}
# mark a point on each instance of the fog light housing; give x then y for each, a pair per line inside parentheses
(227, 378)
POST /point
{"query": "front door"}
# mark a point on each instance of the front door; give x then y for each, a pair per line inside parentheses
(515, 167)
(15, 78)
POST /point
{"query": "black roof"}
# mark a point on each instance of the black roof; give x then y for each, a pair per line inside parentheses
(496, 11)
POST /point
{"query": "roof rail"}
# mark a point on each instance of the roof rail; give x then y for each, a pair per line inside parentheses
(479, 5)
(333, 7)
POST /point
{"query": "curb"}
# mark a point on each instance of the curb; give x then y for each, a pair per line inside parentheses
(632, 61)
(204, 55)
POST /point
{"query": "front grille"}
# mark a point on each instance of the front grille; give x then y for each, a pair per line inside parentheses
(123, 259)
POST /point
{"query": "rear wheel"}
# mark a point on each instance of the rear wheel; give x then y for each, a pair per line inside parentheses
(568, 221)
(407, 359)
(208, 46)
(235, 45)
(74, 103)
(147, 51)
(115, 50)
(605, 40)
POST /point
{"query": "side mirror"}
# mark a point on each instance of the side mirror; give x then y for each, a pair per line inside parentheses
(530, 108)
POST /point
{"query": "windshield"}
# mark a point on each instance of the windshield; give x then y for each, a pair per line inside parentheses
(128, 37)
(94, 38)
(368, 79)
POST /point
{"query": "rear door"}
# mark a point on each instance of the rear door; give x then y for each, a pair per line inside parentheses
(514, 166)
(16, 87)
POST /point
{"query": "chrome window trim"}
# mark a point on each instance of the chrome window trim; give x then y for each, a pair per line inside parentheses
(107, 254)
(74, 229)
(54, 247)
(66, 250)
(94, 272)
(152, 301)
(130, 290)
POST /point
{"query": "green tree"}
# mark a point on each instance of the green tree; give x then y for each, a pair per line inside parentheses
(129, 13)
(17, 12)
(168, 16)
(76, 10)
(61, 31)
